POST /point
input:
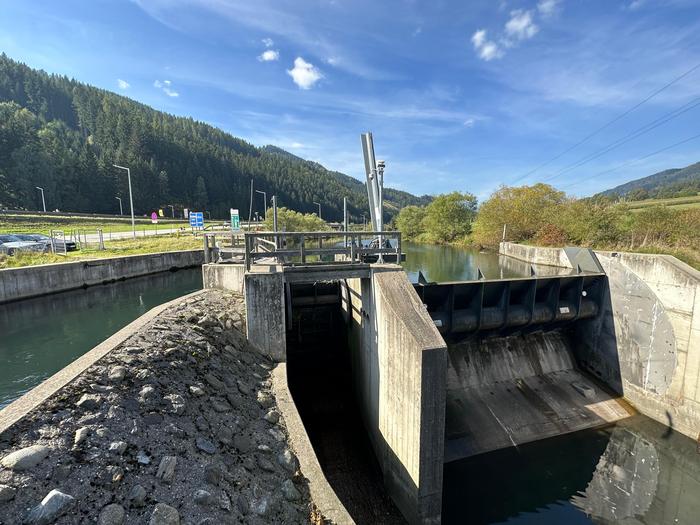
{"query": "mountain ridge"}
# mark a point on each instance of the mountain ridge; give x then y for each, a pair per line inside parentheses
(65, 135)
(672, 182)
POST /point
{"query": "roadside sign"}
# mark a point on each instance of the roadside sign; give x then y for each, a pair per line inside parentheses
(197, 219)
(160, 213)
(235, 220)
(154, 218)
(186, 213)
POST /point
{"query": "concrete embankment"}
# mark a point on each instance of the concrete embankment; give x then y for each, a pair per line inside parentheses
(32, 281)
(646, 342)
(174, 420)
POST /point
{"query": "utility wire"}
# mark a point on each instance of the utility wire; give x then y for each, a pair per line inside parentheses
(608, 124)
(694, 137)
(629, 137)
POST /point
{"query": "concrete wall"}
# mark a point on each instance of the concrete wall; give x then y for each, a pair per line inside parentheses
(224, 276)
(399, 366)
(535, 254)
(31, 281)
(265, 310)
(646, 342)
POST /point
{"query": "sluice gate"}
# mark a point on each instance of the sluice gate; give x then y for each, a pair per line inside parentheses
(512, 375)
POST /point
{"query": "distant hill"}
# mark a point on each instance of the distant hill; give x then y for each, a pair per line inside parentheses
(64, 136)
(675, 182)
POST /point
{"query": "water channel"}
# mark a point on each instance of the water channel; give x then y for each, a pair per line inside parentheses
(634, 472)
(40, 336)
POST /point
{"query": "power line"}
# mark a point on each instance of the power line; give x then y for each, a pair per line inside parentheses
(608, 124)
(689, 139)
(629, 137)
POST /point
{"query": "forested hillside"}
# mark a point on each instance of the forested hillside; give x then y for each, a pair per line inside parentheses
(64, 136)
(676, 182)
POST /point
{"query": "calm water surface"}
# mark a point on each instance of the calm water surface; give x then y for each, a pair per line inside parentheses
(40, 336)
(451, 263)
(635, 472)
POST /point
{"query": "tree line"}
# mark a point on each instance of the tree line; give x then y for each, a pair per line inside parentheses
(64, 136)
(543, 215)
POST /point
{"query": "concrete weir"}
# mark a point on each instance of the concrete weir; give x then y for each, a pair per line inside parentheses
(443, 371)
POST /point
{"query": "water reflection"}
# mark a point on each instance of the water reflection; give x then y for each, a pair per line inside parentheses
(636, 472)
(440, 263)
(40, 336)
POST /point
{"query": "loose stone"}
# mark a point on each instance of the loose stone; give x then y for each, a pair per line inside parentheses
(205, 445)
(116, 374)
(203, 497)
(164, 515)
(137, 496)
(89, 401)
(111, 515)
(117, 447)
(81, 435)
(143, 458)
(289, 491)
(166, 469)
(7, 493)
(214, 382)
(25, 458)
(196, 391)
(287, 460)
(52, 507)
(272, 417)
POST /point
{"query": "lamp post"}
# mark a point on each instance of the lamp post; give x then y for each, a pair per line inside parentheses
(264, 194)
(319, 209)
(43, 202)
(121, 211)
(172, 209)
(131, 198)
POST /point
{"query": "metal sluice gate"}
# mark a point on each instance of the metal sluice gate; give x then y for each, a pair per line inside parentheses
(463, 309)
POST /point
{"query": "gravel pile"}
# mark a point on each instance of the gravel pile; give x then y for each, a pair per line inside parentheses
(176, 426)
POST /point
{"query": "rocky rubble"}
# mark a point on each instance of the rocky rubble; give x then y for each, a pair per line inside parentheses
(176, 426)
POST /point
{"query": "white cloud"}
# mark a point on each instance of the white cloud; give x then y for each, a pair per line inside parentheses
(303, 74)
(469, 123)
(123, 84)
(547, 7)
(486, 49)
(636, 4)
(165, 86)
(268, 42)
(269, 55)
(521, 26)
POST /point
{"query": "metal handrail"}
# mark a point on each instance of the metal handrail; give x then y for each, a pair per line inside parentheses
(283, 245)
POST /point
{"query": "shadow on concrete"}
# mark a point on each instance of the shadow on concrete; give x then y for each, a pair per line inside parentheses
(320, 380)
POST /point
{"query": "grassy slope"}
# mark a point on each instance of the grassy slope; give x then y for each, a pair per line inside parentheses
(138, 246)
(24, 224)
(677, 203)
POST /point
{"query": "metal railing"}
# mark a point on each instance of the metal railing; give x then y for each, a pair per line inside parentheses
(312, 247)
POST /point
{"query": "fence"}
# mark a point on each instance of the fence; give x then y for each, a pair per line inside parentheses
(300, 247)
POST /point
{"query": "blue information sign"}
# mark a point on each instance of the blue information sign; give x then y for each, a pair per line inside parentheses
(197, 219)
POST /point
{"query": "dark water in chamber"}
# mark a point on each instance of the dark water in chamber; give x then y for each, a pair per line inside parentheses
(635, 472)
(40, 336)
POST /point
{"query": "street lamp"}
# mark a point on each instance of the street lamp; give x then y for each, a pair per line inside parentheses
(264, 201)
(42, 197)
(131, 198)
(172, 209)
(121, 211)
(319, 209)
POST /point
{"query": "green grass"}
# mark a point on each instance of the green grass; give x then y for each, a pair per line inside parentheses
(677, 203)
(138, 246)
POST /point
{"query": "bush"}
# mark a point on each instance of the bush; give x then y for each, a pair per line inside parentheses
(550, 235)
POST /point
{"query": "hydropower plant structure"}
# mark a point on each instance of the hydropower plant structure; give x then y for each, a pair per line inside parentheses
(443, 371)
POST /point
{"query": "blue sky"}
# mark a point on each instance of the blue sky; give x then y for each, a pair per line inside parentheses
(460, 95)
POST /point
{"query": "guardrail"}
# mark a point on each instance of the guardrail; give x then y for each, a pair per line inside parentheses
(298, 247)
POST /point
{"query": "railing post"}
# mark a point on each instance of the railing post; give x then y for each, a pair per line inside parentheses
(398, 247)
(246, 241)
(352, 250)
(206, 249)
(303, 249)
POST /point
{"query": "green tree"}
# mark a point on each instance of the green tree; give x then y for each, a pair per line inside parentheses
(409, 222)
(449, 217)
(524, 210)
(293, 221)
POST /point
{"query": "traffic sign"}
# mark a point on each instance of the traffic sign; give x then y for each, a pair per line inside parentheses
(154, 218)
(235, 220)
(197, 219)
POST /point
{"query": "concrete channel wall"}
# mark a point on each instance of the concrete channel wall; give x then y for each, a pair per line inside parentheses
(399, 366)
(32, 281)
(646, 342)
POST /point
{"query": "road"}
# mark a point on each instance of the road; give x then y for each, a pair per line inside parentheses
(111, 236)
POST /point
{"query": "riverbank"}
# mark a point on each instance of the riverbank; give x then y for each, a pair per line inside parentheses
(178, 424)
(33, 281)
